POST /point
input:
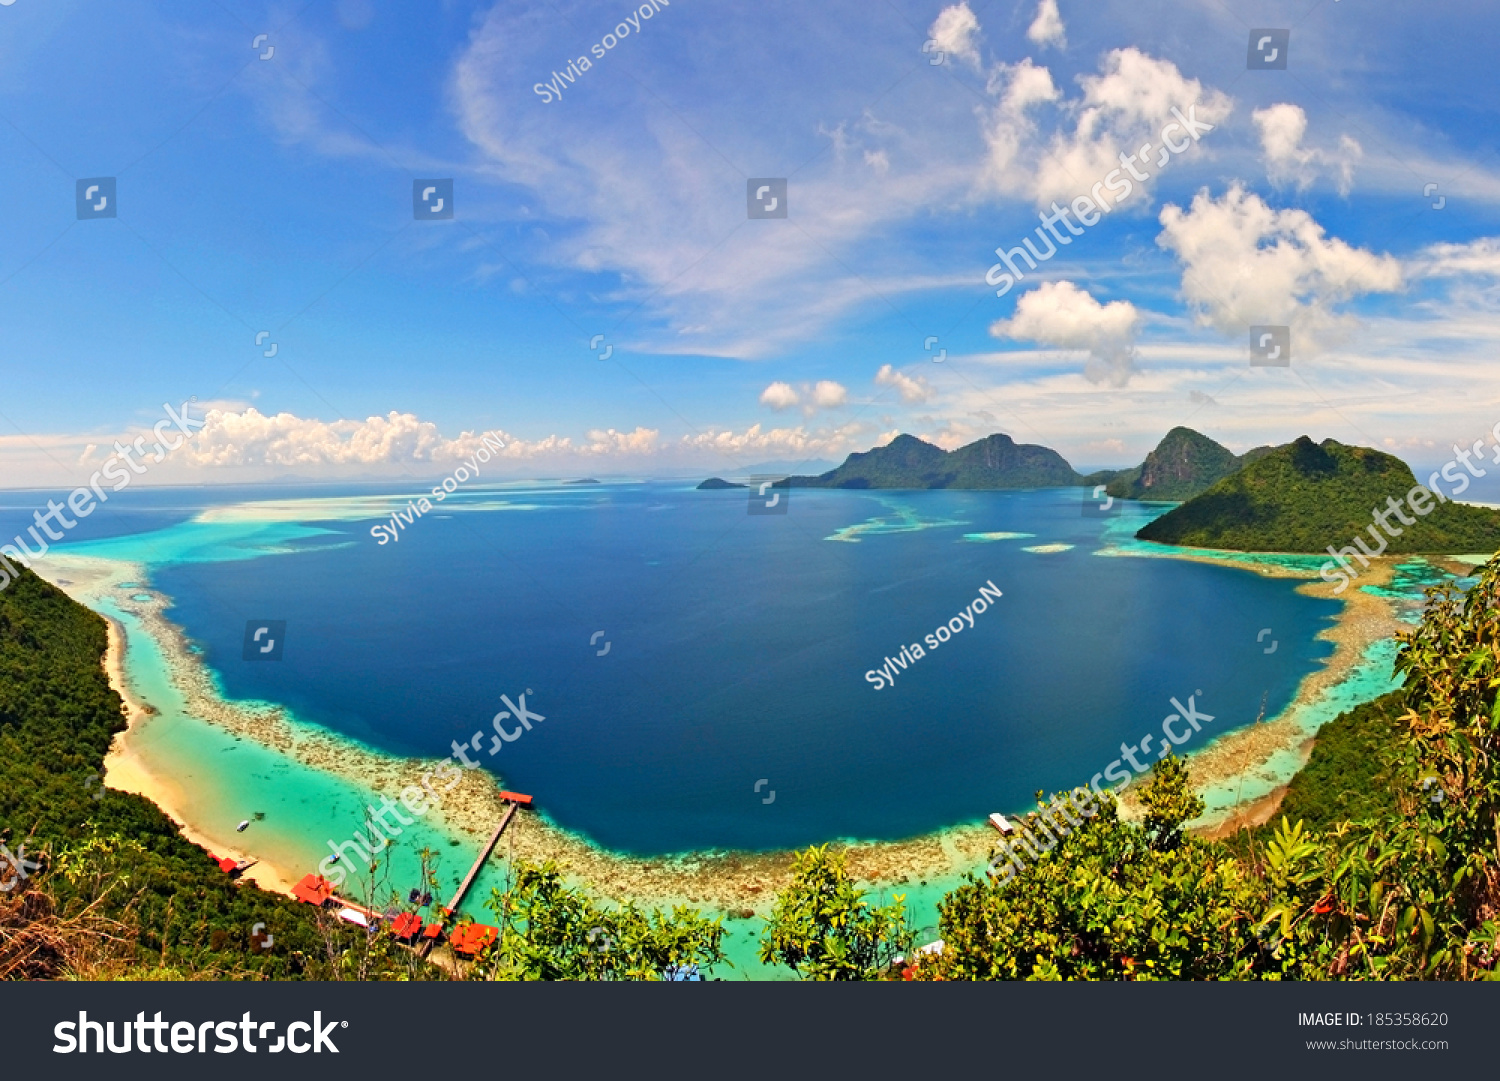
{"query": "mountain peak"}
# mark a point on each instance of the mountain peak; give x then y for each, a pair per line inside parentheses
(1308, 497)
(994, 462)
(1183, 464)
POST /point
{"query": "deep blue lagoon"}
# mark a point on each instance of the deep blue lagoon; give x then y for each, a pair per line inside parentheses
(737, 647)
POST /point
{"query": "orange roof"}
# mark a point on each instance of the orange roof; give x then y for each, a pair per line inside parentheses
(406, 925)
(517, 797)
(433, 930)
(227, 865)
(314, 889)
(472, 937)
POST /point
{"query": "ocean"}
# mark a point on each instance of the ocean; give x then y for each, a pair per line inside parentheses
(701, 670)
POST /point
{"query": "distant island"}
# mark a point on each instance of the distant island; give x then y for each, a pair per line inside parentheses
(585, 480)
(1298, 497)
(1306, 496)
(994, 462)
(1183, 464)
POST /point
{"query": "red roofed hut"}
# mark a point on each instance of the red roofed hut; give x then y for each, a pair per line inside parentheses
(469, 939)
(516, 797)
(314, 889)
(406, 926)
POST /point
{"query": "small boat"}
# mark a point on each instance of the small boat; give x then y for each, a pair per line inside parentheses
(242, 826)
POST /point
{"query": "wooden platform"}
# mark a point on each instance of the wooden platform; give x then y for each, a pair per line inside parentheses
(484, 854)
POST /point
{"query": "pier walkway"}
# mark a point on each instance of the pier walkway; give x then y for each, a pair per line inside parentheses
(484, 854)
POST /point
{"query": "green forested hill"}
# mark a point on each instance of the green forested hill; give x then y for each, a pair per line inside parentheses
(1183, 464)
(994, 462)
(1346, 778)
(1306, 496)
(173, 912)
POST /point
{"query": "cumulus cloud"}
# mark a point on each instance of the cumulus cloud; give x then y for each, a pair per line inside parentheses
(956, 32)
(1244, 263)
(1010, 127)
(762, 442)
(1282, 129)
(824, 394)
(1062, 315)
(248, 437)
(827, 394)
(911, 389)
(779, 396)
(610, 443)
(1047, 28)
(1122, 109)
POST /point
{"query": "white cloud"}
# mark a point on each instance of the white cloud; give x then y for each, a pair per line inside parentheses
(779, 396)
(956, 31)
(1009, 126)
(230, 438)
(609, 443)
(1244, 263)
(911, 389)
(247, 439)
(1062, 315)
(1047, 28)
(1282, 128)
(1479, 257)
(1121, 111)
(827, 394)
(640, 182)
(793, 443)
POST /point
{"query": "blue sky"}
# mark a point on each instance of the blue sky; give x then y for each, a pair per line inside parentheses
(276, 195)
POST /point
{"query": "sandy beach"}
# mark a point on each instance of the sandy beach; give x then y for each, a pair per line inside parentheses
(737, 883)
(126, 771)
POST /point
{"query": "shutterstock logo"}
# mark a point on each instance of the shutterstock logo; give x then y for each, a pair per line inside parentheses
(187, 1038)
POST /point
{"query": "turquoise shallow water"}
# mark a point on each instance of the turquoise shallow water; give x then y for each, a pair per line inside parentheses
(223, 779)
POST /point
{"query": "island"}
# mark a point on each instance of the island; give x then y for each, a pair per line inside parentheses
(1183, 464)
(1314, 497)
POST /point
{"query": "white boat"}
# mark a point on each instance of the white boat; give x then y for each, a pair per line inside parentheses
(241, 827)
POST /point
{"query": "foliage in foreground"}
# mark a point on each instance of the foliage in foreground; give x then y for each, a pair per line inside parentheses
(1410, 891)
(552, 931)
(822, 927)
(118, 890)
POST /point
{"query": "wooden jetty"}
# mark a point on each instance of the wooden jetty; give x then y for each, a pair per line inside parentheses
(484, 854)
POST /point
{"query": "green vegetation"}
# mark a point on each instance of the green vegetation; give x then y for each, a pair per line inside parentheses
(1346, 778)
(1112, 901)
(550, 931)
(1406, 890)
(119, 892)
(824, 929)
(1183, 464)
(1304, 497)
(716, 483)
(994, 462)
